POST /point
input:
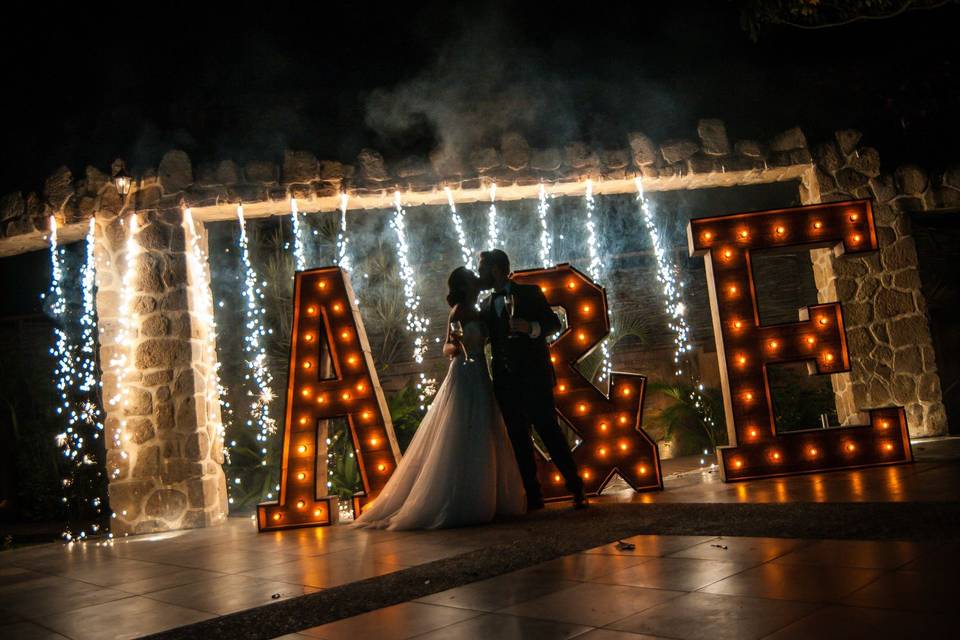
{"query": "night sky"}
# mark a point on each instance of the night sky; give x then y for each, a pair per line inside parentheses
(85, 83)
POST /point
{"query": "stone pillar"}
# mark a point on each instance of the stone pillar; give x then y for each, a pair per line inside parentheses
(165, 472)
(888, 331)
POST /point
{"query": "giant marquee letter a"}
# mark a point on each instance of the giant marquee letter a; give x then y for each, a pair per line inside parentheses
(331, 376)
(745, 348)
(612, 440)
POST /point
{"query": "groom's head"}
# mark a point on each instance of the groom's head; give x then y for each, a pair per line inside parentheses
(494, 268)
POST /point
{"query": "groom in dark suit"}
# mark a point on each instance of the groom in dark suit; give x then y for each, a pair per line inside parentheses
(523, 376)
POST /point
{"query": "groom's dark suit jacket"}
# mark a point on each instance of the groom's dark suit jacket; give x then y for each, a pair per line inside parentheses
(522, 359)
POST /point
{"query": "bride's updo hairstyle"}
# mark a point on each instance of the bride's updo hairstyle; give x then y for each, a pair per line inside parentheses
(458, 284)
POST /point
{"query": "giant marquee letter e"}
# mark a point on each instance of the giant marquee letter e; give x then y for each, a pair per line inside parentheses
(745, 348)
(331, 376)
(612, 440)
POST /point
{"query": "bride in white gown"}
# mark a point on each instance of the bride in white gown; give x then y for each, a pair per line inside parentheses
(460, 468)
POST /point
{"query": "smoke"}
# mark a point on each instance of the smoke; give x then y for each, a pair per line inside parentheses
(482, 82)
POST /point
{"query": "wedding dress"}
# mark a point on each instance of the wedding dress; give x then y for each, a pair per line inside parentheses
(460, 468)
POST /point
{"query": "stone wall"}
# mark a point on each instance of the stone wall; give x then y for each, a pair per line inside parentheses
(164, 452)
(888, 331)
(171, 474)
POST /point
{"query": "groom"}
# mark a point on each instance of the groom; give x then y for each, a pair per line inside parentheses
(523, 377)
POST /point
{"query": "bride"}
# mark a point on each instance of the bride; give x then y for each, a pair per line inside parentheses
(460, 468)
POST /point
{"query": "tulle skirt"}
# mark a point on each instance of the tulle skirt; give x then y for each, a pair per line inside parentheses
(460, 468)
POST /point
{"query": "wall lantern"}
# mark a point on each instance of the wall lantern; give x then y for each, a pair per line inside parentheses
(122, 181)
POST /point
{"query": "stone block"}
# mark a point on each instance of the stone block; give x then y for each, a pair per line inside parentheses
(147, 278)
(162, 352)
(143, 305)
(147, 463)
(579, 156)
(828, 157)
(175, 271)
(166, 504)
(902, 254)
(908, 360)
(910, 330)
(750, 149)
(299, 166)
(867, 161)
(889, 303)
(138, 402)
(928, 388)
(515, 151)
(678, 150)
(372, 166)
(847, 140)
(615, 158)
(935, 419)
(911, 179)
(642, 148)
(331, 170)
(259, 172)
(58, 188)
(175, 172)
(713, 137)
(118, 465)
(178, 470)
(203, 492)
(155, 325)
(849, 180)
(412, 167)
(485, 159)
(175, 300)
(904, 388)
(548, 159)
(789, 140)
(197, 446)
(185, 414)
(140, 430)
(907, 279)
(162, 394)
(128, 496)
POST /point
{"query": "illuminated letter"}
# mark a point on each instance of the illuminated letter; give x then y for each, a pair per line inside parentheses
(331, 376)
(608, 426)
(745, 348)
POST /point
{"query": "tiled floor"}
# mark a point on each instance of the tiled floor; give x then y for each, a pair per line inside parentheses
(691, 588)
(145, 584)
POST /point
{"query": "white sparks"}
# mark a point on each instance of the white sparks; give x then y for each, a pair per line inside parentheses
(342, 240)
(254, 340)
(596, 269)
(672, 289)
(465, 249)
(546, 240)
(493, 235)
(300, 261)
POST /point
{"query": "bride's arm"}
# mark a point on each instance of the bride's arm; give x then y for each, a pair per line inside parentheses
(451, 346)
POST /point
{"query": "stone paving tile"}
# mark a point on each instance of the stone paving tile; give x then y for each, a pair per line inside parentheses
(863, 554)
(128, 618)
(398, 622)
(804, 583)
(704, 616)
(740, 549)
(29, 631)
(174, 579)
(504, 627)
(678, 574)
(229, 593)
(54, 594)
(592, 604)
(326, 571)
(612, 634)
(499, 592)
(910, 591)
(581, 566)
(652, 545)
(855, 623)
(109, 573)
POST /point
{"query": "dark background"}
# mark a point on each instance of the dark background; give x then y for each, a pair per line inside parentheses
(85, 83)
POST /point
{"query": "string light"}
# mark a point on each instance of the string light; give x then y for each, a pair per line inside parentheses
(493, 236)
(596, 269)
(299, 259)
(672, 289)
(203, 312)
(254, 344)
(417, 324)
(546, 239)
(76, 375)
(342, 240)
(465, 249)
